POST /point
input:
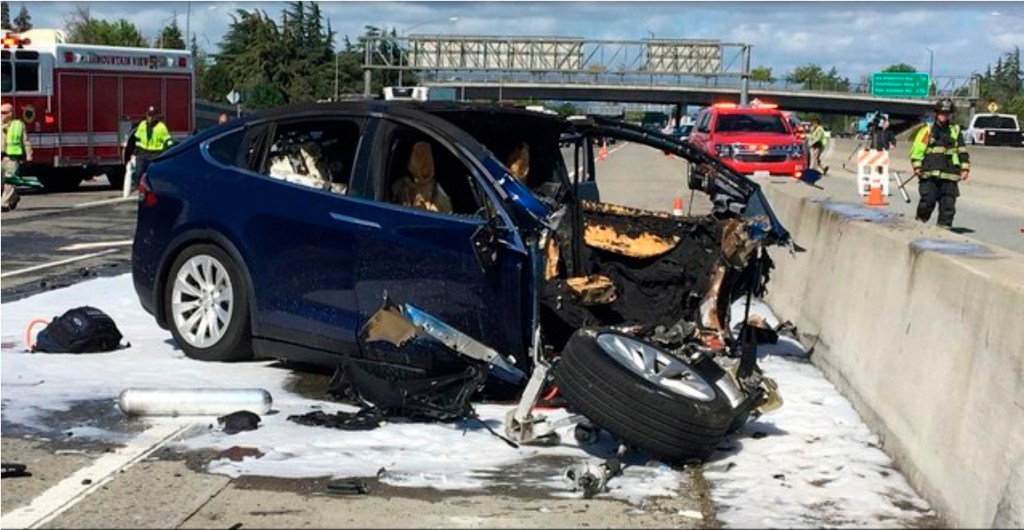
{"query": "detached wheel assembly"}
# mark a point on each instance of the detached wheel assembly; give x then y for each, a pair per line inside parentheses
(207, 306)
(645, 396)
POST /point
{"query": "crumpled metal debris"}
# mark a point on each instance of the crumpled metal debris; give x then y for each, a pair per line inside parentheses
(345, 421)
(240, 421)
(592, 478)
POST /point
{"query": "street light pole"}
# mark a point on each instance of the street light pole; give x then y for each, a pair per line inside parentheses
(931, 68)
(401, 61)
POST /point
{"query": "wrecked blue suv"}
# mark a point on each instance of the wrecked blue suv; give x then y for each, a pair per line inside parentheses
(409, 241)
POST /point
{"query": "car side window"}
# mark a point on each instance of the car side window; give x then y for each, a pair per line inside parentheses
(226, 149)
(704, 122)
(319, 154)
(421, 173)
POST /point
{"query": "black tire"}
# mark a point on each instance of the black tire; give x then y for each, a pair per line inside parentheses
(115, 176)
(236, 342)
(60, 179)
(669, 425)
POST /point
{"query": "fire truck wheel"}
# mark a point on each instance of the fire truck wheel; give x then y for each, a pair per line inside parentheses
(59, 180)
(115, 176)
(207, 305)
(643, 395)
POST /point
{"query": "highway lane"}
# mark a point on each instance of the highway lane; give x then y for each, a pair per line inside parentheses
(991, 204)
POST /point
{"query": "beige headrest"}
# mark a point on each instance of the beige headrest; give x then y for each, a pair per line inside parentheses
(519, 161)
(421, 162)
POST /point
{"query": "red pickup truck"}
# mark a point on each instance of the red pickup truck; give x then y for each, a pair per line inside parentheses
(753, 140)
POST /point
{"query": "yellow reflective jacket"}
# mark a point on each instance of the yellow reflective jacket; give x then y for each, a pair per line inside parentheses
(154, 141)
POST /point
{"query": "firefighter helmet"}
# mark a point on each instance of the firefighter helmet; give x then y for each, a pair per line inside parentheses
(944, 106)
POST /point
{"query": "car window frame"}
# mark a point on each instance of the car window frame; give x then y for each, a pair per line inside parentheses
(361, 121)
(263, 131)
(378, 167)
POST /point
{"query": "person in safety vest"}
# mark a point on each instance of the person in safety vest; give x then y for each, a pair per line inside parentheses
(940, 160)
(15, 150)
(818, 141)
(151, 137)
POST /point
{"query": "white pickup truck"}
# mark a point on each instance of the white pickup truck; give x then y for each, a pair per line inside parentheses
(994, 129)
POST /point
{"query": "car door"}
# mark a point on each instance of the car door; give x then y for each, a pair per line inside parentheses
(427, 258)
(297, 241)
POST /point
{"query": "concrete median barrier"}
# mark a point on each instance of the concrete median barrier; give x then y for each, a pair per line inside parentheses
(923, 331)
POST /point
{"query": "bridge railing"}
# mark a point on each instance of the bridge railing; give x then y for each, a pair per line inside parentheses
(577, 61)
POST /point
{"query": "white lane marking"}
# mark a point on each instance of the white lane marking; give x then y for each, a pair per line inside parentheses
(105, 201)
(57, 263)
(98, 244)
(68, 492)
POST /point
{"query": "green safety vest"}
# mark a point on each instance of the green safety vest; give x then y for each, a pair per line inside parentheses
(818, 135)
(157, 140)
(939, 161)
(14, 143)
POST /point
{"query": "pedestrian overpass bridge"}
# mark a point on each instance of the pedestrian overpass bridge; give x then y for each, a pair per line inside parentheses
(656, 71)
(795, 100)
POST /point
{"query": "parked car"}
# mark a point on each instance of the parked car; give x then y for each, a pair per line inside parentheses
(753, 140)
(281, 235)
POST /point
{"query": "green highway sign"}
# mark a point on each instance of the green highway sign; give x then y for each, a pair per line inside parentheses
(899, 85)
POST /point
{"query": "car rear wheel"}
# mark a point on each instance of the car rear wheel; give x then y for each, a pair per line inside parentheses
(60, 179)
(207, 305)
(643, 395)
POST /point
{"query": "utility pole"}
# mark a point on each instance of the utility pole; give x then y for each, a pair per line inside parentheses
(931, 69)
(367, 73)
(745, 86)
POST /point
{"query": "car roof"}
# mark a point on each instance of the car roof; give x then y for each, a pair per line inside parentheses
(746, 110)
(425, 112)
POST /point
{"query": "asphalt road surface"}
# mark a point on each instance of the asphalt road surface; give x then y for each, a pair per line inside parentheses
(53, 239)
(990, 208)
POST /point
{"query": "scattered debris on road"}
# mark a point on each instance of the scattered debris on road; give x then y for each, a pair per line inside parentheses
(239, 421)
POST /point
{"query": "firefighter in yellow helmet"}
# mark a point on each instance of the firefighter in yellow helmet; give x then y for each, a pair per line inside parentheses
(15, 150)
(940, 160)
(151, 137)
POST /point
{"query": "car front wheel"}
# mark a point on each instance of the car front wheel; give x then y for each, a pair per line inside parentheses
(643, 395)
(207, 305)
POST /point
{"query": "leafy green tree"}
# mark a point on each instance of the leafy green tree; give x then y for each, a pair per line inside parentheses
(899, 67)
(81, 28)
(170, 37)
(6, 16)
(214, 84)
(263, 95)
(566, 109)
(22, 22)
(762, 74)
(1004, 84)
(814, 77)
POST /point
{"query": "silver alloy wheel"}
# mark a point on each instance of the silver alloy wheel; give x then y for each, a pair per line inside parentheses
(202, 301)
(656, 366)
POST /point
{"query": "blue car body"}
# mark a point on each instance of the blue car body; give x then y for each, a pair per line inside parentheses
(317, 264)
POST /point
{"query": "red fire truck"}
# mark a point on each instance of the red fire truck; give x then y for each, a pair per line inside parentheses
(80, 102)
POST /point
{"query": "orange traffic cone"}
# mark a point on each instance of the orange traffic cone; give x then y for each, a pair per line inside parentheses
(875, 195)
(603, 152)
(677, 207)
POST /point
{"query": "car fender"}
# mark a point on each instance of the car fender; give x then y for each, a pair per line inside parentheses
(194, 236)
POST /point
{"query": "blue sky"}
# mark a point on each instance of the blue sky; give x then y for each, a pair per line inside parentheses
(855, 37)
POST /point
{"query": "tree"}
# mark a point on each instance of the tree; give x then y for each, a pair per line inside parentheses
(170, 37)
(813, 77)
(22, 22)
(899, 67)
(81, 28)
(6, 22)
(762, 74)
(1004, 84)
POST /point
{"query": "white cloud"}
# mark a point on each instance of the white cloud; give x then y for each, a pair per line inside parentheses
(857, 38)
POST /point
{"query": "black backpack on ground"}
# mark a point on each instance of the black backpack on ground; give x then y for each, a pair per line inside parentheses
(80, 330)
